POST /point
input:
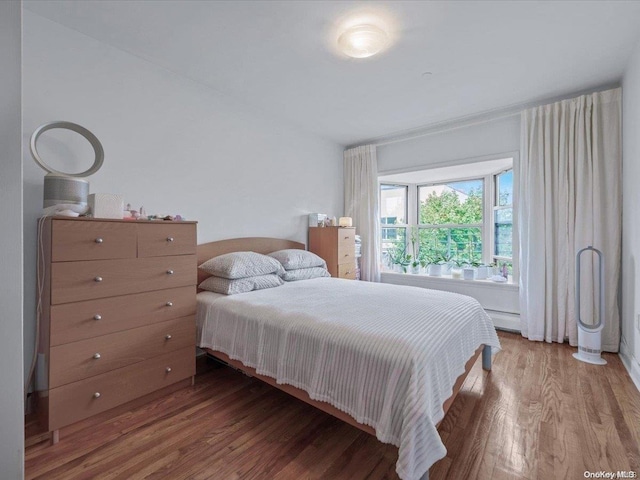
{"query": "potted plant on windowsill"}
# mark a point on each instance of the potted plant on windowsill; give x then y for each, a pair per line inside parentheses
(406, 262)
(398, 258)
(402, 263)
(435, 264)
(415, 267)
(424, 266)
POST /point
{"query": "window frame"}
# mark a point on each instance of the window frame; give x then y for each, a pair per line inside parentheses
(490, 204)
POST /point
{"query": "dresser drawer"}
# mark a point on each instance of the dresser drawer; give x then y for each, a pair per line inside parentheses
(77, 281)
(76, 401)
(77, 240)
(347, 270)
(74, 361)
(156, 240)
(71, 322)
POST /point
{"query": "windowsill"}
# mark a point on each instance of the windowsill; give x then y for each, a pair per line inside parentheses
(422, 278)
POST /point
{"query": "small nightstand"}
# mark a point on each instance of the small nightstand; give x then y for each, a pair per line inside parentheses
(336, 245)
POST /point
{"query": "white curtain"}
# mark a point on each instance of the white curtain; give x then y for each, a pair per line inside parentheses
(570, 198)
(361, 203)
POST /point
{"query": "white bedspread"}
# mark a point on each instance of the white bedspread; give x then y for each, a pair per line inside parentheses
(387, 355)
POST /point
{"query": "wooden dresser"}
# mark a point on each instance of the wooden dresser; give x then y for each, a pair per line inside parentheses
(337, 246)
(118, 306)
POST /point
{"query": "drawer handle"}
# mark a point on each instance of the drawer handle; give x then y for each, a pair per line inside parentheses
(169, 272)
(97, 316)
(98, 279)
(169, 304)
(99, 240)
(168, 369)
(96, 356)
(167, 337)
(346, 238)
(346, 254)
(348, 272)
(96, 395)
(169, 239)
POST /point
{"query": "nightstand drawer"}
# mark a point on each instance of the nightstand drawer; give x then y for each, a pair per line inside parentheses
(71, 322)
(76, 240)
(156, 240)
(347, 270)
(346, 236)
(77, 281)
(346, 253)
(79, 360)
(79, 400)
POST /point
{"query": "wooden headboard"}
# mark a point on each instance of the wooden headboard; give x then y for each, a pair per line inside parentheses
(247, 244)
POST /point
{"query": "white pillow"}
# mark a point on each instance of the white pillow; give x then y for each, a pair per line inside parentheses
(292, 259)
(230, 286)
(241, 265)
(305, 274)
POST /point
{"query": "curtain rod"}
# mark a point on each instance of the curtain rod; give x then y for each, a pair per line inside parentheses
(486, 117)
(451, 127)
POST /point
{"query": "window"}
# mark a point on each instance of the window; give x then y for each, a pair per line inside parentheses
(503, 219)
(393, 221)
(459, 214)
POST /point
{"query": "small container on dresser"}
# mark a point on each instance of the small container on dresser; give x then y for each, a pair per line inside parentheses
(118, 305)
(336, 245)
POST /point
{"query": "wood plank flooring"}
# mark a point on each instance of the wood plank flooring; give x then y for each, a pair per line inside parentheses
(539, 414)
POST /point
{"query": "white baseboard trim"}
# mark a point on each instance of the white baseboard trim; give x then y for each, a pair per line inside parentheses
(505, 321)
(630, 362)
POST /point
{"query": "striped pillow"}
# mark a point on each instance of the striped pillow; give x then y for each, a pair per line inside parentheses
(241, 265)
(293, 259)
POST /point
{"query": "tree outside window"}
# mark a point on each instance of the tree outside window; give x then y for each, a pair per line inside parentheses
(451, 221)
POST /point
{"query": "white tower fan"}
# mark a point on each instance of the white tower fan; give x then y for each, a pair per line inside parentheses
(590, 335)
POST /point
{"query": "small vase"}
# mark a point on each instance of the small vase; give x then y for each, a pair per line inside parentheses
(415, 270)
(456, 272)
(469, 273)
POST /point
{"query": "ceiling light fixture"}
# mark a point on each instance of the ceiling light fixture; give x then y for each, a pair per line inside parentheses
(361, 41)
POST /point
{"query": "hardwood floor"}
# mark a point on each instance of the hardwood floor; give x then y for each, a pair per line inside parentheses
(538, 414)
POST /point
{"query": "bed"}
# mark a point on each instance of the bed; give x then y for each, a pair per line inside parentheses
(387, 359)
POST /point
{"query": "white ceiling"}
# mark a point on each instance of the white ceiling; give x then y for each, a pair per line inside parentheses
(279, 56)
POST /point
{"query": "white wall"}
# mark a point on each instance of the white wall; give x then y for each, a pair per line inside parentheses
(171, 144)
(475, 141)
(489, 138)
(11, 384)
(630, 345)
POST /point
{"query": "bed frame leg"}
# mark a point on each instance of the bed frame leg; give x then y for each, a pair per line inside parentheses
(486, 358)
